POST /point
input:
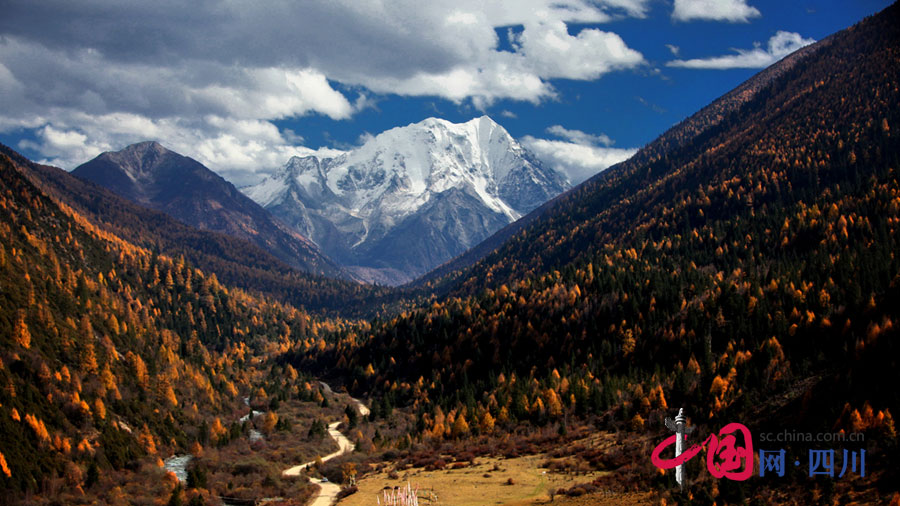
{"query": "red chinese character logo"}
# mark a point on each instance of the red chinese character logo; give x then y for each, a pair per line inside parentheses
(725, 457)
(679, 460)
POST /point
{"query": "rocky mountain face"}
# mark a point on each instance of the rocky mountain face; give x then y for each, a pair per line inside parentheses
(410, 198)
(153, 176)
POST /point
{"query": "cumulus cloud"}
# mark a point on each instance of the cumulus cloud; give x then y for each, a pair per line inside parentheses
(544, 50)
(734, 11)
(215, 76)
(240, 150)
(780, 45)
(579, 137)
(580, 155)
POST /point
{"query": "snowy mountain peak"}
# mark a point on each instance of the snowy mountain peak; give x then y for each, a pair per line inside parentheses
(297, 166)
(350, 204)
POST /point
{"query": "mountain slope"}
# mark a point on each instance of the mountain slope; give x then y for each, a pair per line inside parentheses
(746, 271)
(445, 276)
(113, 356)
(236, 262)
(623, 200)
(151, 175)
(412, 197)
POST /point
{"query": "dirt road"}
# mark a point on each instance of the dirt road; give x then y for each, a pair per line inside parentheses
(328, 491)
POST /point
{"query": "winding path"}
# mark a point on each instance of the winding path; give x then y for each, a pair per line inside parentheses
(328, 491)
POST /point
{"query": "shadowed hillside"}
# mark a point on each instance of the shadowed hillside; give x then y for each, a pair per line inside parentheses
(744, 267)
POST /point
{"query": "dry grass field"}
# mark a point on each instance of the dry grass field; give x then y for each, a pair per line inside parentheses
(485, 482)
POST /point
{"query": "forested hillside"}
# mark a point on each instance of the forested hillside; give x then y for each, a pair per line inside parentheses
(112, 355)
(735, 273)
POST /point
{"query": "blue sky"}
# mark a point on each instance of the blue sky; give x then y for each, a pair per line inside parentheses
(243, 86)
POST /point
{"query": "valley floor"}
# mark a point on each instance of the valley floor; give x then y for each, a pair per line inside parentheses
(486, 480)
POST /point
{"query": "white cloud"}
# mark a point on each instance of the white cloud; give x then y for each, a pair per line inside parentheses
(735, 11)
(579, 137)
(544, 50)
(56, 144)
(551, 52)
(780, 45)
(212, 77)
(633, 8)
(364, 138)
(577, 161)
(674, 49)
(239, 150)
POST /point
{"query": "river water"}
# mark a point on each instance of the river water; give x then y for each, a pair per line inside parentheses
(178, 465)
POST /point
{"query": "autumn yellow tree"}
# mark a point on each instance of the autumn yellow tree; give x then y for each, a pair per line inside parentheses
(3, 467)
(139, 369)
(270, 420)
(37, 425)
(21, 333)
(486, 424)
(99, 408)
(167, 393)
(88, 356)
(217, 430)
(147, 441)
(460, 426)
(554, 406)
(348, 470)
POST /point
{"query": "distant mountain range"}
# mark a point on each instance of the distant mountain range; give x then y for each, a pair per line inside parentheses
(151, 175)
(387, 212)
(411, 198)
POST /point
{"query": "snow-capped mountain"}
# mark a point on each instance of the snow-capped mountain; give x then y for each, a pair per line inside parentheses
(410, 198)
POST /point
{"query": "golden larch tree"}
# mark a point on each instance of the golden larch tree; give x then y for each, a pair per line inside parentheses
(21, 333)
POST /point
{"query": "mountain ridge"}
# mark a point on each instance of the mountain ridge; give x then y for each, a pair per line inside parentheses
(236, 262)
(398, 188)
(672, 139)
(151, 175)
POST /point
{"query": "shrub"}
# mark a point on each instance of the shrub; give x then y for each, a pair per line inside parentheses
(347, 491)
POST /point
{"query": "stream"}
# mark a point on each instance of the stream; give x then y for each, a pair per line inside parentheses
(178, 463)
